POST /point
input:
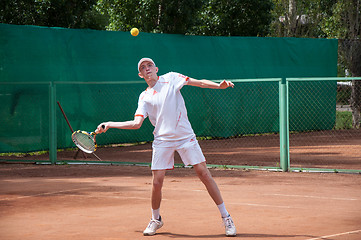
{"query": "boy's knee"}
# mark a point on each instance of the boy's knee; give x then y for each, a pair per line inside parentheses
(158, 178)
(157, 184)
(204, 175)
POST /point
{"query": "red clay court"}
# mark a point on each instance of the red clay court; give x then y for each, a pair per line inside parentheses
(113, 202)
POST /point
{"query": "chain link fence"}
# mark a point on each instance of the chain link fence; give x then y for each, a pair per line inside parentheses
(235, 127)
(337, 145)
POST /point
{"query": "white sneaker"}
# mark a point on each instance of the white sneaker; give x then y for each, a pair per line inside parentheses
(230, 227)
(153, 226)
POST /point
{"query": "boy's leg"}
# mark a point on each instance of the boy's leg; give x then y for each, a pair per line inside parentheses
(156, 221)
(158, 178)
(191, 154)
(212, 188)
(207, 179)
(162, 159)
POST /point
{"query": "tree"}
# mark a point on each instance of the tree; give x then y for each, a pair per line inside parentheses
(345, 24)
(199, 17)
(326, 18)
(52, 13)
(22, 12)
(294, 18)
(178, 16)
(164, 16)
(235, 18)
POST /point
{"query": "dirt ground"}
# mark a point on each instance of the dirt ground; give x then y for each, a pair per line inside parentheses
(113, 202)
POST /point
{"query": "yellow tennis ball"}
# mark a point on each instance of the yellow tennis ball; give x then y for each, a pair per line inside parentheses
(134, 32)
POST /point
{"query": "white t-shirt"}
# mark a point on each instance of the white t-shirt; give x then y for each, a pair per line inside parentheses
(165, 107)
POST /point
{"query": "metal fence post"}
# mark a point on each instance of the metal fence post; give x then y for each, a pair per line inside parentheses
(284, 125)
(52, 123)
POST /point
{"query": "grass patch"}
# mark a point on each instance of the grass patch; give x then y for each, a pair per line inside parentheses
(19, 154)
(343, 120)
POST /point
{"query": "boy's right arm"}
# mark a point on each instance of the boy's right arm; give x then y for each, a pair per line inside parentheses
(134, 124)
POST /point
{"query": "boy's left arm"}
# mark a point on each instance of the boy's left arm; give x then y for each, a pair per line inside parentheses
(209, 84)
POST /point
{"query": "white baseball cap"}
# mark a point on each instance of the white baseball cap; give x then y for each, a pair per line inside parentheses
(145, 60)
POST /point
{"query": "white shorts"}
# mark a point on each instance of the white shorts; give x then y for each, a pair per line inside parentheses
(189, 151)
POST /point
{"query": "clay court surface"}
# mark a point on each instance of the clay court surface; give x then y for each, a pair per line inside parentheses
(323, 149)
(113, 202)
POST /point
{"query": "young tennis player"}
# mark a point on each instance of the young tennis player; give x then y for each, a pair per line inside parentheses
(163, 103)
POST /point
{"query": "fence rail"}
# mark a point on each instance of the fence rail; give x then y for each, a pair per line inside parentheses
(274, 123)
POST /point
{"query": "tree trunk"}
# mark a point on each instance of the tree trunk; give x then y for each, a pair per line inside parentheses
(356, 103)
(354, 58)
(292, 18)
(350, 55)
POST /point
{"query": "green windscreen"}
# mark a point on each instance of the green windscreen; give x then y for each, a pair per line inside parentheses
(71, 58)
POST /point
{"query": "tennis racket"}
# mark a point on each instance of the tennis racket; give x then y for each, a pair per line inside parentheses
(85, 141)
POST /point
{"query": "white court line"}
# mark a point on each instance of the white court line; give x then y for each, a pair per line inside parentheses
(265, 205)
(306, 196)
(43, 194)
(116, 197)
(75, 189)
(335, 235)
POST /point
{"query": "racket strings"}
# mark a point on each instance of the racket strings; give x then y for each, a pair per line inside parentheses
(84, 141)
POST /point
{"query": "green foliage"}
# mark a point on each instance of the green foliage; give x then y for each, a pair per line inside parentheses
(122, 14)
(332, 25)
(20, 154)
(323, 19)
(235, 18)
(166, 16)
(311, 18)
(52, 13)
(200, 17)
(307, 17)
(178, 16)
(343, 120)
(345, 24)
(344, 20)
(343, 95)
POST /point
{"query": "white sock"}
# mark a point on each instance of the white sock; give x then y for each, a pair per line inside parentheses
(223, 210)
(155, 213)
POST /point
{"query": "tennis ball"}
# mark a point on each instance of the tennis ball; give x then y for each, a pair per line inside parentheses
(134, 32)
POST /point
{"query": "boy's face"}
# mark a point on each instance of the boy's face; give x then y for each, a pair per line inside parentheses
(148, 70)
